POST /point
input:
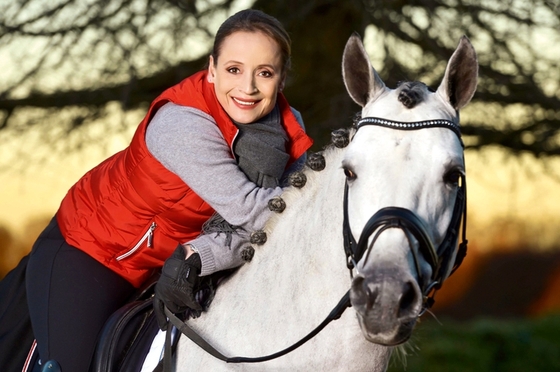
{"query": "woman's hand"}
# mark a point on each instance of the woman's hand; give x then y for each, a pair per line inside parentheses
(189, 250)
(178, 282)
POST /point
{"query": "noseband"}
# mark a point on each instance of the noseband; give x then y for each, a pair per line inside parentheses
(438, 258)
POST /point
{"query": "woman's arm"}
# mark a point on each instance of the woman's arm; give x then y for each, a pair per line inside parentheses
(214, 253)
(188, 143)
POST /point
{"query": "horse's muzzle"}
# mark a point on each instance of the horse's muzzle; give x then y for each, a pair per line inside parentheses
(387, 304)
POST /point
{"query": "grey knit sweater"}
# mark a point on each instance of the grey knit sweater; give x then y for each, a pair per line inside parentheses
(188, 142)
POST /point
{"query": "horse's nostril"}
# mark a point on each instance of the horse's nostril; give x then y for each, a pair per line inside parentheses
(408, 300)
(358, 287)
(363, 294)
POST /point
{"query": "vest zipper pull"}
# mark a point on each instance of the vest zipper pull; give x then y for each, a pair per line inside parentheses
(151, 235)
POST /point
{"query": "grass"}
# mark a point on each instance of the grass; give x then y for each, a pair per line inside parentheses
(491, 345)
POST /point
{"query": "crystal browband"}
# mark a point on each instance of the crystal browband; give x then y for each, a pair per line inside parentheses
(438, 123)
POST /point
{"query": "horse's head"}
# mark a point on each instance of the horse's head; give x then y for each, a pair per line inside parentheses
(408, 166)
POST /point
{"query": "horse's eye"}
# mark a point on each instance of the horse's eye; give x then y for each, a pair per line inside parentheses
(452, 177)
(350, 175)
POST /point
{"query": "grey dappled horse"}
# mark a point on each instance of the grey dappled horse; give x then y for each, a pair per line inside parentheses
(404, 166)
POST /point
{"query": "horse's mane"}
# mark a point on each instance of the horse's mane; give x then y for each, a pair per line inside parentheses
(293, 194)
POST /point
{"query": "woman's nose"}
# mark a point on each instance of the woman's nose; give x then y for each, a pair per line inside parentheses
(249, 85)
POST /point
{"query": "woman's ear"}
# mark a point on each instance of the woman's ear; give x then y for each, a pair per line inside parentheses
(211, 70)
(282, 83)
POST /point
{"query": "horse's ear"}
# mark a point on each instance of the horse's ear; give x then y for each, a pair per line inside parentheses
(461, 75)
(360, 78)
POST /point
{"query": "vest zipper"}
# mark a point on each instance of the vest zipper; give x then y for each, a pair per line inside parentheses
(149, 235)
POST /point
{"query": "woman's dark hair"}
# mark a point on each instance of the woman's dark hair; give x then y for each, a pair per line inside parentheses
(251, 20)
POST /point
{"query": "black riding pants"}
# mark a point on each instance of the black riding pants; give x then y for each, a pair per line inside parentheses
(70, 296)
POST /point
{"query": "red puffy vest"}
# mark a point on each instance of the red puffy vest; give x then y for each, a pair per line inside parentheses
(130, 212)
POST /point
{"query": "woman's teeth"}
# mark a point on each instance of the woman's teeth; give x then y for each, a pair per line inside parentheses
(244, 103)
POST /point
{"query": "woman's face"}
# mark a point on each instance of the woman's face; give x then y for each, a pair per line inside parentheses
(247, 75)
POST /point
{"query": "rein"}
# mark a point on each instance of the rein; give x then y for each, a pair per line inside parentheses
(342, 305)
(390, 217)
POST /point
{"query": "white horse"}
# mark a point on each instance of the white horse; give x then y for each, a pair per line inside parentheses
(300, 273)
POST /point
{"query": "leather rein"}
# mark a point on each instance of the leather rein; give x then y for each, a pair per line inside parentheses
(390, 217)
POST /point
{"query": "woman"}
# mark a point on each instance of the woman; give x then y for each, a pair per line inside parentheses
(125, 217)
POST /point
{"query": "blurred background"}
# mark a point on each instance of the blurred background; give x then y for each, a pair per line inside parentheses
(76, 77)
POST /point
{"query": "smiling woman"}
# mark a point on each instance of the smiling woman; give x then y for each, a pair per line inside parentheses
(213, 148)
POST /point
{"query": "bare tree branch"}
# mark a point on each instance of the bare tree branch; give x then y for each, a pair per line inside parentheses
(130, 94)
(84, 56)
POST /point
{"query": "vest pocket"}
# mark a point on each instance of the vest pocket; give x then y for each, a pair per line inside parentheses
(148, 236)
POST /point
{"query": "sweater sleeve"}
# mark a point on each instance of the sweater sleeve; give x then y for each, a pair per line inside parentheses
(188, 143)
(216, 255)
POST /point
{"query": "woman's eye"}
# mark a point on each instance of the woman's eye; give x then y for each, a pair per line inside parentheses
(266, 74)
(350, 175)
(233, 70)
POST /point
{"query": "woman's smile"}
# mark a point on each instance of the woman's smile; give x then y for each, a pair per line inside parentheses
(244, 102)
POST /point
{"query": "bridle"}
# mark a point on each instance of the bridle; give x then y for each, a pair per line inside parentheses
(386, 218)
(438, 258)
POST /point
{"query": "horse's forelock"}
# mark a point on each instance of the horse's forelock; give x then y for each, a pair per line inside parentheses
(411, 93)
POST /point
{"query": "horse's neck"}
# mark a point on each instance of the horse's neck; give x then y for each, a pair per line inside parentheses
(301, 269)
(307, 237)
(291, 285)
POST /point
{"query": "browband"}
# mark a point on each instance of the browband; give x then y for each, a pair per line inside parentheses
(441, 123)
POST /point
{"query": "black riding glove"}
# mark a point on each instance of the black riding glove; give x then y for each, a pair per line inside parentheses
(176, 286)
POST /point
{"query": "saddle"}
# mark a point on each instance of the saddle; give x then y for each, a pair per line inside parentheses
(127, 335)
(123, 344)
(124, 341)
